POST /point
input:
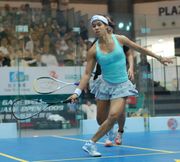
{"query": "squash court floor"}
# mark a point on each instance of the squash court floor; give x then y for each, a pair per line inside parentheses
(161, 146)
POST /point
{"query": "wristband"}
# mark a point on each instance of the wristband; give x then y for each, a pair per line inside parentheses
(78, 91)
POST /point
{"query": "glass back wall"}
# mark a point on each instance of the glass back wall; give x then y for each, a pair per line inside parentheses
(41, 42)
(45, 42)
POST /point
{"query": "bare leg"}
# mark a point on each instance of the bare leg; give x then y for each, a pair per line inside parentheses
(102, 114)
(102, 111)
(121, 121)
(116, 108)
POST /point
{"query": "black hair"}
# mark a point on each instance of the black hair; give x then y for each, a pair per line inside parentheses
(111, 22)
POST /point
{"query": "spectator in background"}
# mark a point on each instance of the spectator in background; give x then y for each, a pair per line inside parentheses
(69, 113)
(72, 107)
(27, 14)
(55, 35)
(21, 55)
(144, 70)
(70, 54)
(29, 44)
(4, 60)
(60, 18)
(81, 52)
(62, 5)
(29, 58)
(6, 11)
(3, 33)
(37, 56)
(5, 50)
(47, 51)
(7, 15)
(18, 59)
(89, 109)
(46, 42)
(59, 52)
(4, 46)
(63, 30)
(144, 79)
(35, 43)
(144, 67)
(48, 58)
(46, 8)
(83, 31)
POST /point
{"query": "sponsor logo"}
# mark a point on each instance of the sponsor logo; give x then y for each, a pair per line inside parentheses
(169, 10)
(172, 123)
(18, 77)
(53, 74)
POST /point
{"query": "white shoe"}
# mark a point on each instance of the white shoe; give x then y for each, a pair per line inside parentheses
(90, 147)
(118, 138)
(109, 138)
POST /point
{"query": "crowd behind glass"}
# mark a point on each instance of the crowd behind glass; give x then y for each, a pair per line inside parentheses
(48, 42)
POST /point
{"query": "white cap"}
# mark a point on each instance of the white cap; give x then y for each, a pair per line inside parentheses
(100, 18)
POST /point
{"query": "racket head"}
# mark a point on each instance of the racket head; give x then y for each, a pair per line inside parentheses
(23, 109)
(45, 85)
(48, 85)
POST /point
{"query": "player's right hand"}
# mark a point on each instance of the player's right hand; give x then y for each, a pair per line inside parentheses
(74, 98)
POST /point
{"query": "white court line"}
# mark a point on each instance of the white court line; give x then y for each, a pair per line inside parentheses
(156, 152)
(125, 146)
(104, 157)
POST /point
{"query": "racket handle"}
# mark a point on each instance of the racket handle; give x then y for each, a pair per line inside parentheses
(77, 83)
(67, 101)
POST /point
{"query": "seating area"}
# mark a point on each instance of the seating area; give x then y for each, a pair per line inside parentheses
(42, 37)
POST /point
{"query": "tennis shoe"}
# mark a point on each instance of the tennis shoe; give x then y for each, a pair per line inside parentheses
(90, 148)
(109, 138)
(118, 138)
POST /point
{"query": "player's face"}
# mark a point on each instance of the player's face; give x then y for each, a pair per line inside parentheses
(99, 28)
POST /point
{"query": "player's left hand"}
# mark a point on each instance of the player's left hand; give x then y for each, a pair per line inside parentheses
(165, 60)
(131, 74)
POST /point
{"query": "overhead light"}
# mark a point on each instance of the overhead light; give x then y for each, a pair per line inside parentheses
(127, 28)
(160, 40)
(121, 25)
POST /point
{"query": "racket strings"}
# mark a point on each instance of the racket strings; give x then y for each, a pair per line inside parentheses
(47, 85)
(23, 109)
(27, 108)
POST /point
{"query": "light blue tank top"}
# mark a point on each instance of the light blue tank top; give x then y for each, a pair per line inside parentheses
(113, 64)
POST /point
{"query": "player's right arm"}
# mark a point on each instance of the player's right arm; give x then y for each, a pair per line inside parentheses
(91, 62)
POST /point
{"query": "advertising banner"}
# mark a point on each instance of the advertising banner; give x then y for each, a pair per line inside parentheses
(15, 81)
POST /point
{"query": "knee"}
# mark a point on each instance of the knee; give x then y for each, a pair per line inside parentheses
(100, 119)
(123, 114)
(112, 118)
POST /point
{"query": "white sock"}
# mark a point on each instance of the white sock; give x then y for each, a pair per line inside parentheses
(91, 141)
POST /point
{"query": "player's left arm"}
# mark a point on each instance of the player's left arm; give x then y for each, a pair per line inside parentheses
(130, 59)
(144, 51)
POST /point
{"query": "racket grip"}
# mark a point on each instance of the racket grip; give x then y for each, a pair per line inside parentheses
(77, 83)
(67, 101)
